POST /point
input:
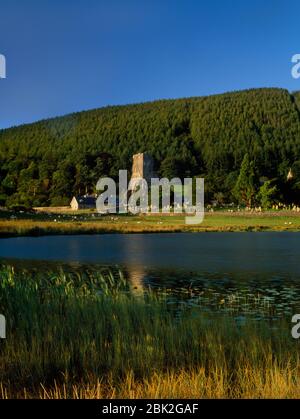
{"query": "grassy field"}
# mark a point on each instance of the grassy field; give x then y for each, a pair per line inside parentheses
(88, 336)
(85, 222)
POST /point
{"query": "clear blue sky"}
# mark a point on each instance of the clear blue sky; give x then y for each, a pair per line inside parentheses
(65, 56)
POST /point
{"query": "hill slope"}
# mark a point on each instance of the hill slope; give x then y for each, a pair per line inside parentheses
(49, 161)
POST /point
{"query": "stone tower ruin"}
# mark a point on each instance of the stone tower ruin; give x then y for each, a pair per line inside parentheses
(142, 167)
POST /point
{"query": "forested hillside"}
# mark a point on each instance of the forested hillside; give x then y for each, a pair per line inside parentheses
(243, 143)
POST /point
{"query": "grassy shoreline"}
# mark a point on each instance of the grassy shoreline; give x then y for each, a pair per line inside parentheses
(89, 336)
(86, 223)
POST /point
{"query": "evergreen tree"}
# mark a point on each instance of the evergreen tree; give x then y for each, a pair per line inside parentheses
(266, 194)
(244, 189)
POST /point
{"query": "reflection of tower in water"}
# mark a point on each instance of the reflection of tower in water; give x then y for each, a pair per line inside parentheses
(136, 275)
(136, 271)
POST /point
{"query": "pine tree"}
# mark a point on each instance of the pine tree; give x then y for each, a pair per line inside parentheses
(244, 189)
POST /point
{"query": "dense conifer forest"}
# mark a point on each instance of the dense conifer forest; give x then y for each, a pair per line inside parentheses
(243, 143)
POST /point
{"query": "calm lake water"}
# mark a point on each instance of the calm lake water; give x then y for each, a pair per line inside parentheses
(240, 273)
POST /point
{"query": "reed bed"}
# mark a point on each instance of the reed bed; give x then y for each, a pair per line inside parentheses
(72, 335)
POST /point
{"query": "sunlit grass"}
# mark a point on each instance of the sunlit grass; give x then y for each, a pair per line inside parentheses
(88, 223)
(87, 335)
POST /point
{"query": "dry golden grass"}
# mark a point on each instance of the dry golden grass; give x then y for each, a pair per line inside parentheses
(249, 383)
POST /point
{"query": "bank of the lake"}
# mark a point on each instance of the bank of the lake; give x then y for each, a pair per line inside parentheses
(32, 224)
(89, 336)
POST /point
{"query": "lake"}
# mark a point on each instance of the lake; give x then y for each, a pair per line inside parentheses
(254, 274)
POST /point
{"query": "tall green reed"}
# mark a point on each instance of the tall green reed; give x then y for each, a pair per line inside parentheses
(83, 327)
